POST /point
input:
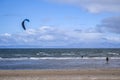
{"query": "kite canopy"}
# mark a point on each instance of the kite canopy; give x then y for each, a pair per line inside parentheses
(23, 23)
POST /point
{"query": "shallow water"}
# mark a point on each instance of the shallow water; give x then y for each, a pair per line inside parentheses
(59, 64)
(12, 59)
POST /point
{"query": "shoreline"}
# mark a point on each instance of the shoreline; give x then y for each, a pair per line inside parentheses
(63, 74)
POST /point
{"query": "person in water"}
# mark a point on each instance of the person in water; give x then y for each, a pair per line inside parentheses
(107, 59)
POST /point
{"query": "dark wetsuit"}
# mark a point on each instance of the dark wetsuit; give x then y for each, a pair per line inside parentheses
(107, 59)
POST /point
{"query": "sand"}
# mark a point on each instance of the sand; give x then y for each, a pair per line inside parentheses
(82, 74)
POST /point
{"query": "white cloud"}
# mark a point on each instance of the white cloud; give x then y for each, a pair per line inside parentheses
(114, 38)
(94, 6)
(46, 37)
(53, 36)
(6, 34)
(45, 29)
(31, 31)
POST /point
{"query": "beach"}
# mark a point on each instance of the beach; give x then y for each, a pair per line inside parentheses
(59, 64)
(69, 74)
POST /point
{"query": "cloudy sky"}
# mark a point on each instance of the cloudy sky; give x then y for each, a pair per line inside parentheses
(60, 23)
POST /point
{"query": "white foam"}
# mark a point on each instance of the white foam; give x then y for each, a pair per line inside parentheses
(22, 58)
(56, 58)
(68, 54)
(43, 53)
(113, 53)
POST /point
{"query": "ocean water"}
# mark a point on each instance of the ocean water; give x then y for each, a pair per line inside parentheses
(74, 58)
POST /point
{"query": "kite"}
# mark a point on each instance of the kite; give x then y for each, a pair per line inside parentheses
(23, 23)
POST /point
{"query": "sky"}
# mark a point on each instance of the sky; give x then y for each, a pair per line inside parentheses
(60, 24)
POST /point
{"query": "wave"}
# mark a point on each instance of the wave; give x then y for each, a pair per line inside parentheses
(67, 54)
(55, 58)
(113, 53)
(21, 58)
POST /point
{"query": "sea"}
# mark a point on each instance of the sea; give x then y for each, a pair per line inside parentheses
(58, 58)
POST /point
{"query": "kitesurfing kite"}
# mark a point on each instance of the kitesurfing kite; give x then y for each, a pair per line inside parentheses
(23, 23)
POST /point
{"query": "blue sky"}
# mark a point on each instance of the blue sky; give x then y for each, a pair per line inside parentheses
(60, 23)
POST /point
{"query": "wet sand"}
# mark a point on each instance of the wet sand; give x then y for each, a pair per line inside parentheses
(82, 74)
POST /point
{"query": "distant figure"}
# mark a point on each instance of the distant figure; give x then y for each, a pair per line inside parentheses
(82, 56)
(107, 59)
